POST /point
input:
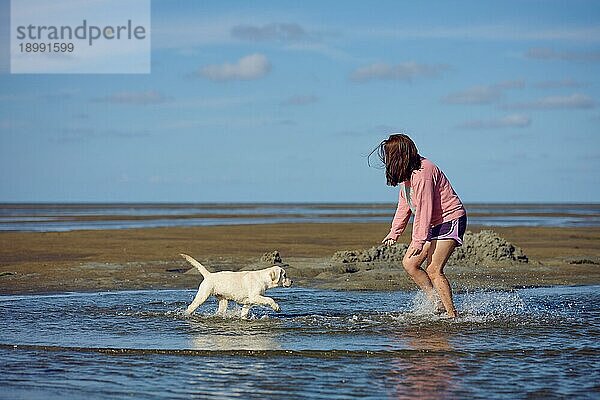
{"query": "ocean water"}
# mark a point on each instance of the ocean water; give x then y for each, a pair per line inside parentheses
(529, 343)
(66, 217)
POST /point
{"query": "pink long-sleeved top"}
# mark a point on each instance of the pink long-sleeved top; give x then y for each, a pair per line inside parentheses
(433, 199)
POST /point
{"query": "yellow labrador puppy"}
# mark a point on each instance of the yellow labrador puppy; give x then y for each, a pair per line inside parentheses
(245, 287)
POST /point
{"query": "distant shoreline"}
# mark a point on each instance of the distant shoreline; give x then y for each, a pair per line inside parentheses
(85, 216)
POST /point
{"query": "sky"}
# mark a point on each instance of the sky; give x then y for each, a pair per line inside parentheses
(282, 101)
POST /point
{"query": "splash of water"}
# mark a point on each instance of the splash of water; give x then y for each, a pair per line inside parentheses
(489, 306)
(422, 305)
(475, 307)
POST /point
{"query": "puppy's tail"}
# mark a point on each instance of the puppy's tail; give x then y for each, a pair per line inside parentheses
(196, 264)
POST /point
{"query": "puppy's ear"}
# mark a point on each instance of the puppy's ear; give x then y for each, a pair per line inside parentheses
(276, 274)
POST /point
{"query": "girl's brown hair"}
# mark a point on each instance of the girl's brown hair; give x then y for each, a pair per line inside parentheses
(400, 156)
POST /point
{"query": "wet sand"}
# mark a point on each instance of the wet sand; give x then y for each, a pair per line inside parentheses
(99, 260)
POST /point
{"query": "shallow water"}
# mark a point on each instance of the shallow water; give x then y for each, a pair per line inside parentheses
(540, 342)
(66, 217)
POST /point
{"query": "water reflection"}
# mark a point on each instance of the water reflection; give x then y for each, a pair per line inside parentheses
(430, 373)
(227, 338)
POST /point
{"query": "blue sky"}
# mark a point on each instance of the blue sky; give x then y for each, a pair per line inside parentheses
(282, 101)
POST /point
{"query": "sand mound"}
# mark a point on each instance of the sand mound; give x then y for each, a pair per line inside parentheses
(374, 254)
(485, 246)
(272, 257)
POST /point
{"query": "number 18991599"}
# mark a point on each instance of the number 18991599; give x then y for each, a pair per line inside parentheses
(41, 47)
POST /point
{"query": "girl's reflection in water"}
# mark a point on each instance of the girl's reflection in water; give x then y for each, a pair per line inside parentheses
(430, 372)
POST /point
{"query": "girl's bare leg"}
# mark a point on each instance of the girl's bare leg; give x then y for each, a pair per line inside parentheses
(440, 251)
(412, 265)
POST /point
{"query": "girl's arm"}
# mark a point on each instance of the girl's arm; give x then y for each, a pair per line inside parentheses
(400, 220)
(423, 200)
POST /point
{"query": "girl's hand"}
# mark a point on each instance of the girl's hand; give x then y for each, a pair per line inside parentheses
(413, 251)
(388, 241)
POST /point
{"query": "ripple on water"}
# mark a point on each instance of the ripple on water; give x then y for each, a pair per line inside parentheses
(542, 340)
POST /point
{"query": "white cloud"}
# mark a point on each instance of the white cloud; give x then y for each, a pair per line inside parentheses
(542, 53)
(557, 84)
(253, 66)
(203, 102)
(135, 98)
(573, 101)
(404, 71)
(484, 94)
(78, 134)
(187, 31)
(74, 134)
(474, 95)
(186, 35)
(300, 100)
(514, 84)
(486, 33)
(508, 121)
(274, 31)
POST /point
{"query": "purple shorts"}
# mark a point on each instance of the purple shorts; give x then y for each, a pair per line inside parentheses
(454, 229)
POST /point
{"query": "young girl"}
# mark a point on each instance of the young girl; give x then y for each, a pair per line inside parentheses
(440, 218)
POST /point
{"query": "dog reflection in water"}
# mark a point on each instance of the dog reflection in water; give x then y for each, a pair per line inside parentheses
(246, 288)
